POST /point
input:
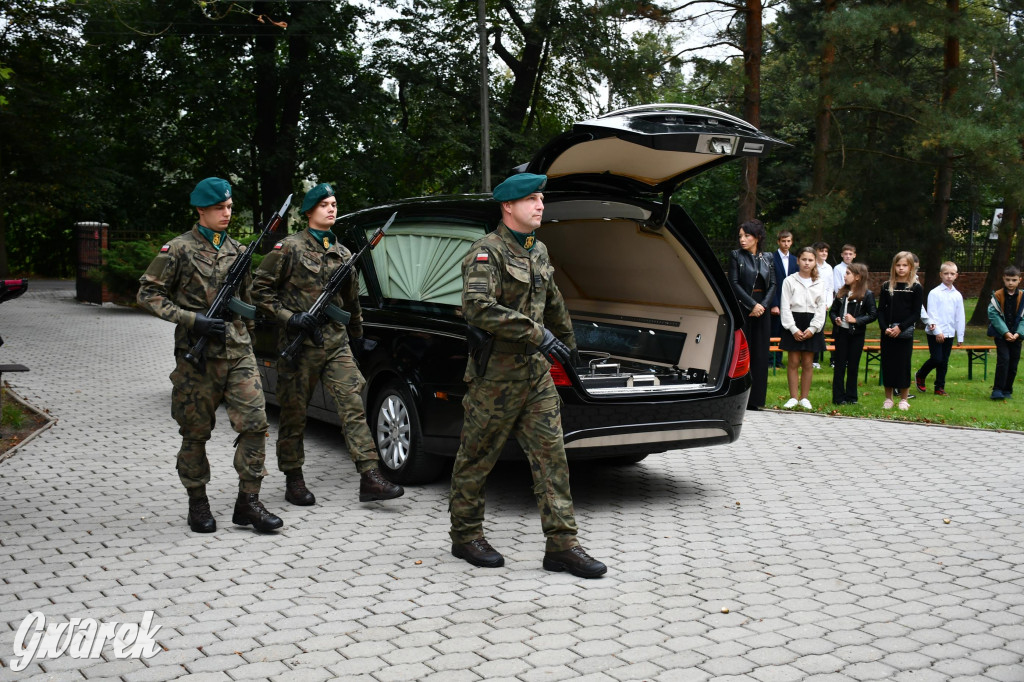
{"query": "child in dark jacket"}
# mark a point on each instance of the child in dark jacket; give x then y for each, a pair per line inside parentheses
(852, 311)
(1006, 326)
(899, 307)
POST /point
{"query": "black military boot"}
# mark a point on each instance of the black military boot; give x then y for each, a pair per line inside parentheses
(373, 486)
(295, 490)
(200, 519)
(249, 510)
(576, 561)
(479, 553)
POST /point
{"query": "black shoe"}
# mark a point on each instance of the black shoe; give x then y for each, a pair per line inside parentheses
(249, 510)
(295, 490)
(576, 561)
(920, 383)
(200, 519)
(373, 486)
(479, 553)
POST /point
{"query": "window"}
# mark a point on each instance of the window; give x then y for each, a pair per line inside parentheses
(423, 261)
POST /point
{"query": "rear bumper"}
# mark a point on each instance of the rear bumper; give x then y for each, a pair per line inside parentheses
(615, 429)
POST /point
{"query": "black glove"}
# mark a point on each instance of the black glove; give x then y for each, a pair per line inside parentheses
(212, 327)
(307, 323)
(361, 346)
(553, 349)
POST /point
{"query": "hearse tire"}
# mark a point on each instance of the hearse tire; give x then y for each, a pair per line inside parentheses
(395, 427)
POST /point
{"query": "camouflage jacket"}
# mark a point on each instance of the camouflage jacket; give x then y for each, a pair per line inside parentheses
(294, 274)
(511, 293)
(184, 279)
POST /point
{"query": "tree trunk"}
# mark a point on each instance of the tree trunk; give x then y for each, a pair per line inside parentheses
(931, 259)
(278, 90)
(527, 70)
(752, 44)
(1000, 259)
(823, 116)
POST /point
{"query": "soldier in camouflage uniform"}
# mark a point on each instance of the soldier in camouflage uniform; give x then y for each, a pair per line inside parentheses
(289, 280)
(179, 286)
(509, 291)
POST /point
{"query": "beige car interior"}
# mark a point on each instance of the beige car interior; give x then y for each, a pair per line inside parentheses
(610, 270)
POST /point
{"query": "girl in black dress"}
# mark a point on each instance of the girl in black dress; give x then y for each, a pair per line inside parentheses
(752, 275)
(899, 308)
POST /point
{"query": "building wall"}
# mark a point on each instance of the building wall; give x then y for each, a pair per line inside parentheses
(968, 283)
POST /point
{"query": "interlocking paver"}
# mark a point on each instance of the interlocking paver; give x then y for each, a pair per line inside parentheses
(836, 565)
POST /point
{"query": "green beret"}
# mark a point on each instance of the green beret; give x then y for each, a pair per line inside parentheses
(316, 195)
(519, 186)
(210, 191)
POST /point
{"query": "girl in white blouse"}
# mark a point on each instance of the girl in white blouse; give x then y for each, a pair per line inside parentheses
(802, 314)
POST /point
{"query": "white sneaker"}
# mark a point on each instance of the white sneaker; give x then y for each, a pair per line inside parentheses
(816, 365)
(790, 404)
(805, 403)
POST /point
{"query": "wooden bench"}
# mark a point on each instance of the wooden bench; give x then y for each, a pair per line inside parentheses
(873, 353)
(774, 348)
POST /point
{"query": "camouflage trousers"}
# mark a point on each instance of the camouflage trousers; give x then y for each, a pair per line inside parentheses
(527, 410)
(337, 371)
(194, 401)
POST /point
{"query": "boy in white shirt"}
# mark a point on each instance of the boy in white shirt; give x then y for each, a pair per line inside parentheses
(848, 253)
(946, 320)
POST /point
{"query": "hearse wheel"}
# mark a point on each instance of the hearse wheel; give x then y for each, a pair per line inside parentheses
(396, 431)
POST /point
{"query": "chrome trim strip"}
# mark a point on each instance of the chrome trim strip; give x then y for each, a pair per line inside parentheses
(648, 437)
(413, 329)
(641, 390)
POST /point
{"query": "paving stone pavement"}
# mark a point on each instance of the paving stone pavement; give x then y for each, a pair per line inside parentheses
(832, 557)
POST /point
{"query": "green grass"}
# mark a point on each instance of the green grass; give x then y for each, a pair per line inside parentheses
(13, 416)
(968, 402)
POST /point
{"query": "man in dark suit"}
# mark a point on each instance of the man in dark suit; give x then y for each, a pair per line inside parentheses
(785, 265)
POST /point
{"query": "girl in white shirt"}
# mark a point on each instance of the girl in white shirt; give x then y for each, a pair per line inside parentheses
(802, 315)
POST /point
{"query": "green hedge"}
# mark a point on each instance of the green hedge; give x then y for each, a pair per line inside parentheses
(124, 262)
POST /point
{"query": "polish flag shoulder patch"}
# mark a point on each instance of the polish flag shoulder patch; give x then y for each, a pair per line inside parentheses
(482, 257)
(165, 248)
(278, 246)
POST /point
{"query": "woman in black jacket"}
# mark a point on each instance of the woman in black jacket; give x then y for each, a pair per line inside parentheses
(852, 311)
(752, 275)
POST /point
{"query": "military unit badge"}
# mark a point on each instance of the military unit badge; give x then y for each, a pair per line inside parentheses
(217, 236)
(327, 243)
(528, 244)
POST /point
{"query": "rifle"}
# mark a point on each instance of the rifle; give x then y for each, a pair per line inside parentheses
(322, 308)
(225, 299)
